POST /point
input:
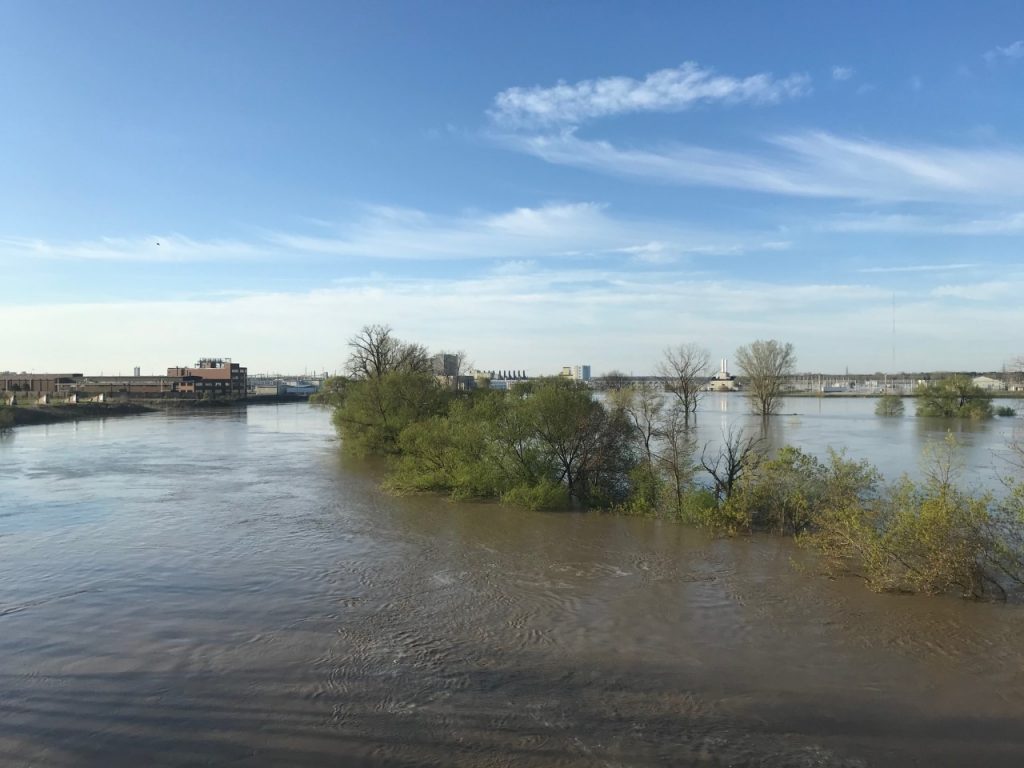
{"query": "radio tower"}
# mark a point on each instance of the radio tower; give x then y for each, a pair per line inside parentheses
(894, 332)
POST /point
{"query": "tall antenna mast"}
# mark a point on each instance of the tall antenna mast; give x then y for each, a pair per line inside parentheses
(894, 331)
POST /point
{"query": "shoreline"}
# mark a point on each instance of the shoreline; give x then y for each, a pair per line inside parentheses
(38, 415)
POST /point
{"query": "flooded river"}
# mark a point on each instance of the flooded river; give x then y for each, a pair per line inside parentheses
(226, 589)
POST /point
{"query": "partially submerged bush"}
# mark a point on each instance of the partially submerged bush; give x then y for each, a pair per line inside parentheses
(791, 491)
(519, 446)
(544, 495)
(889, 405)
(954, 397)
(1005, 410)
(930, 537)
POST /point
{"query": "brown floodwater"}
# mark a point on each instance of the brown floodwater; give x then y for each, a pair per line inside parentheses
(226, 589)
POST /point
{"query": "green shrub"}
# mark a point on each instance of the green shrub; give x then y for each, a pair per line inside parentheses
(930, 537)
(1005, 410)
(544, 495)
(889, 405)
(954, 397)
(700, 507)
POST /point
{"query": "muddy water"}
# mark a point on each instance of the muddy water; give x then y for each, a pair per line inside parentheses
(226, 590)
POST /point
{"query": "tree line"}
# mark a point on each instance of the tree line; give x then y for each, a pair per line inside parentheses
(551, 444)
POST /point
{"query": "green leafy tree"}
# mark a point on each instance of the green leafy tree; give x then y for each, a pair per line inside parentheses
(451, 453)
(375, 410)
(781, 494)
(954, 397)
(332, 391)
(889, 405)
(586, 445)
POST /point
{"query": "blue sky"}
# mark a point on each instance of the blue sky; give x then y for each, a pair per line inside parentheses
(537, 184)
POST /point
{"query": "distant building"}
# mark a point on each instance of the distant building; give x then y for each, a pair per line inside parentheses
(39, 383)
(575, 372)
(213, 377)
(988, 383)
(446, 364)
(501, 379)
(723, 381)
(137, 371)
(130, 385)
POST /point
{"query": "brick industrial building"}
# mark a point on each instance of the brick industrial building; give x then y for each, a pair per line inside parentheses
(210, 377)
(214, 377)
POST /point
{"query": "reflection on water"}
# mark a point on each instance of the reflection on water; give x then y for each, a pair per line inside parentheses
(180, 589)
(894, 445)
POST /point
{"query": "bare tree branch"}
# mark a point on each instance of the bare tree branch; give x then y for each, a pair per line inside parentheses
(684, 367)
(765, 365)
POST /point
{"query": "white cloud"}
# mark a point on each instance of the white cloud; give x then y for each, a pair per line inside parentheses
(812, 164)
(1014, 50)
(667, 90)
(989, 291)
(151, 248)
(842, 73)
(526, 319)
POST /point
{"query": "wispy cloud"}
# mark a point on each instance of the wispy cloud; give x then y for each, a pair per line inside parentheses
(916, 268)
(812, 164)
(579, 229)
(667, 90)
(544, 232)
(842, 73)
(151, 248)
(1014, 50)
(1008, 224)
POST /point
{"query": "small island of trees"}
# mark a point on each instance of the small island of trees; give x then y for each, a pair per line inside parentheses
(551, 444)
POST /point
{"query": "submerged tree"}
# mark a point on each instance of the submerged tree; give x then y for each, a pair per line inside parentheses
(889, 404)
(684, 368)
(954, 397)
(765, 366)
(737, 454)
(642, 406)
(674, 459)
(374, 411)
(586, 444)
